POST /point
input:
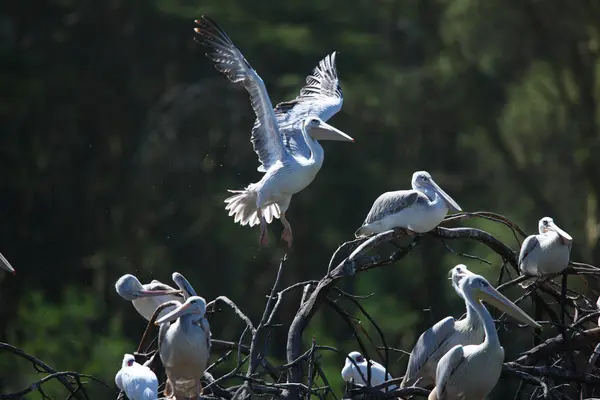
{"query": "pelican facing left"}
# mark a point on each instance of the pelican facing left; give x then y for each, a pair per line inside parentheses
(136, 380)
(471, 372)
(285, 138)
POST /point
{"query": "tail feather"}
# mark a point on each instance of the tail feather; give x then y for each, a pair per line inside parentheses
(242, 206)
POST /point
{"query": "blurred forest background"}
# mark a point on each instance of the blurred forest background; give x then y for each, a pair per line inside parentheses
(119, 140)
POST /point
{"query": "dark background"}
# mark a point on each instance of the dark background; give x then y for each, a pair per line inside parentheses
(119, 140)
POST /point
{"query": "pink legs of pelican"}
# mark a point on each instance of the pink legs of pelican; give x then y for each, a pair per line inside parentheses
(287, 230)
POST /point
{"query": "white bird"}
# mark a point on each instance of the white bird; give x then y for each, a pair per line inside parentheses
(471, 372)
(350, 371)
(417, 211)
(441, 337)
(545, 253)
(136, 380)
(285, 138)
(184, 348)
(146, 298)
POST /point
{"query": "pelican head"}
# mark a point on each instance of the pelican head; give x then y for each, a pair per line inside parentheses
(477, 287)
(130, 288)
(547, 224)
(320, 130)
(193, 305)
(128, 360)
(183, 284)
(457, 274)
(423, 180)
(356, 356)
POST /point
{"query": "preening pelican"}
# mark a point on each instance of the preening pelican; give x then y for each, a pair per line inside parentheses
(471, 372)
(545, 253)
(146, 298)
(417, 211)
(136, 380)
(441, 337)
(377, 371)
(184, 347)
(285, 138)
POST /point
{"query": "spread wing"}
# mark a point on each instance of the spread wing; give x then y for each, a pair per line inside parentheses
(321, 96)
(446, 367)
(228, 60)
(392, 203)
(428, 344)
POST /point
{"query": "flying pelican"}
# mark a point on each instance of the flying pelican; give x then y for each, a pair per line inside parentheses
(417, 211)
(377, 371)
(146, 298)
(184, 347)
(441, 337)
(545, 253)
(285, 138)
(136, 380)
(471, 372)
(6, 265)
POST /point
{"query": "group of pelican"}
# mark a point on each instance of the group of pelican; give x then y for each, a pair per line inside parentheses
(183, 339)
(458, 359)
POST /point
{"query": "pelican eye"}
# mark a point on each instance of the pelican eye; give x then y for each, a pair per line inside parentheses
(130, 362)
(360, 359)
(314, 121)
(484, 284)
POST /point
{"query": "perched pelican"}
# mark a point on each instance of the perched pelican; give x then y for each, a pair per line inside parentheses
(471, 372)
(137, 381)
(377, 371)
(146, 298)
(184, 347)
(417, 211)
(545, 253)
(285, 139)
(441, 337)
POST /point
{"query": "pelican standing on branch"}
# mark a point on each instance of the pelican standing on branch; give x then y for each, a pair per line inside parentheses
(184, 348)
(471, 372)
(146, 298)
(136, 380)
(441, 337)
(417, 211)
(285, 138)
(545, 253)
(357, 371)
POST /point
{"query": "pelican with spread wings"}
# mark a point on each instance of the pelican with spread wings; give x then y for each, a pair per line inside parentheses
(285, 138)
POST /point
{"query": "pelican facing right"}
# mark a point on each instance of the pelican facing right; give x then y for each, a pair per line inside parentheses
(471, 372)
(417, 211)
(285, 139)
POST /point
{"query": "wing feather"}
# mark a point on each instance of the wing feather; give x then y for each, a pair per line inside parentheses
(427, 345)
(321, 96)
(266, 139)
(392, 203)
(446, 367)
(529, 244)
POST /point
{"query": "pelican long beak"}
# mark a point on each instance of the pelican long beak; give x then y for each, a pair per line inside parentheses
(173, 315)
(452, 205)
(149, 293)
(327, 132)
(496, 299)
(560, 232)
(6, 265)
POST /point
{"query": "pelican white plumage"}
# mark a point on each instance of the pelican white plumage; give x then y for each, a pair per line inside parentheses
(184, 347)
(146, 298)
(545, 253)
(441, 337)
(285, 138)
(136, 380)
(471, 372)
(417, 211)
(350, 371)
